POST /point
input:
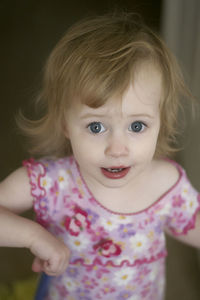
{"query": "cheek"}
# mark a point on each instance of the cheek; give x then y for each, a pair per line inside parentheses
(84, 149)
(146, 147)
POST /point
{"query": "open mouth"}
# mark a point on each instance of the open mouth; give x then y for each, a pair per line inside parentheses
(115, 172)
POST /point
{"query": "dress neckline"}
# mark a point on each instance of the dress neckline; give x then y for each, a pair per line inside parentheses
(163, 196)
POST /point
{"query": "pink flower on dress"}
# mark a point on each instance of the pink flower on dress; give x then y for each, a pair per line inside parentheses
(89, 283)
(107, 289)
(177, 201)
(99, 271)
(107, 248)
(78, 222)
(98, 233)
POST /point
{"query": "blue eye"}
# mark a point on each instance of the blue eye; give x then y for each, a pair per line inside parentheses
(96, 127)
(137, 126)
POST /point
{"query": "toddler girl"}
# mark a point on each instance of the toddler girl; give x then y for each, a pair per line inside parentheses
(105, 185)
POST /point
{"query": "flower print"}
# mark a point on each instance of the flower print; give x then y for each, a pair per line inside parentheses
(98, 233)
(134, 297)
(121, 219)
(70, 284)
(92, 216)
(158, 229)
(107, 289)
(178, 218)
(72, 272)
(57, 230)
(146, 289)
(138, 242)
(63, 179)
(177, 201)
(107, 248)
(142, 273)
(76, 191)
(78, 243)
(191, 204)
(109, 224)
(41, 209)
(124, 295)
(162, 210)
(41, 206)
(80, 186)
(185, 190)
(78, 222)
(99, 271)
(124, 276)
(82, 294)
(54, 191)
(156, 245)
(89, 283)
(126, 230)
(68, 203)
(45, 182)
(154, 272)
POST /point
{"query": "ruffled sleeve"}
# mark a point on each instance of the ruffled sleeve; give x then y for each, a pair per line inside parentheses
(184, 206)
(38, 179)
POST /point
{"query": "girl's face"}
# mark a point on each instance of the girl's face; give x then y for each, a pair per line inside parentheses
(115, 143)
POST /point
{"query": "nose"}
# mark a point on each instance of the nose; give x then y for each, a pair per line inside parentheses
(117, 147)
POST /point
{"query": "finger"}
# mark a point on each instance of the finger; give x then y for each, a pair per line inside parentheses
(37, 265)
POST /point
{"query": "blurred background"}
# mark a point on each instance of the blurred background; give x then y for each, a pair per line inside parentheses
(29, 31)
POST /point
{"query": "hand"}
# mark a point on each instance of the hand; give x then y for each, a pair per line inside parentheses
(52, 255)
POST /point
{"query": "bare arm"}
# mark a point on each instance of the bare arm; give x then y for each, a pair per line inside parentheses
(15, 231)
(51, 254)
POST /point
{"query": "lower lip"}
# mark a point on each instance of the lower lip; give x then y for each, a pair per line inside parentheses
(116, 175)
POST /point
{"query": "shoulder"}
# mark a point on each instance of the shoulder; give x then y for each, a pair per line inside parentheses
(15, 191)
(18, 178)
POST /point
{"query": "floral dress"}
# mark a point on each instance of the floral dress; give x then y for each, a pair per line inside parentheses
(113, 256)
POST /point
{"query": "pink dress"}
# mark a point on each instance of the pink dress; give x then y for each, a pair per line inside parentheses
(113, 256)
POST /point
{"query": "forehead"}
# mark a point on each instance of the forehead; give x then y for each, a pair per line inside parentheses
(142, 96)
(145, 90)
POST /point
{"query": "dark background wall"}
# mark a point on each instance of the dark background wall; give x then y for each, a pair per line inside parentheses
(29, 29)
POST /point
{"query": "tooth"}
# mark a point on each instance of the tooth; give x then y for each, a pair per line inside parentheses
(115, 170)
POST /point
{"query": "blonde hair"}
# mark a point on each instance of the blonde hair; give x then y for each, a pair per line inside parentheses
(96, 59)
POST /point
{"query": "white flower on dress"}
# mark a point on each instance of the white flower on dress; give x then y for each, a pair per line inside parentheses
(78, 243)
(191, 204)
(138, 242)
(121, 219)
(109, 224)
(46, 182)
(63, 179)
(69, 283)
(124, 275)
(185, 190)
(154, 272)
(165, 209)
